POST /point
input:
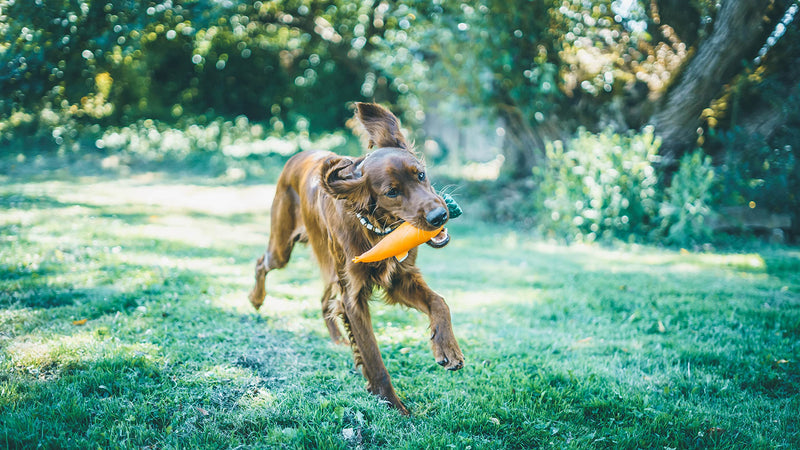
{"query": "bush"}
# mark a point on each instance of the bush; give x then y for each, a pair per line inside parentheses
(686, 208)
(115, 62)
(222, 143)
(234, 149)
(602, 186)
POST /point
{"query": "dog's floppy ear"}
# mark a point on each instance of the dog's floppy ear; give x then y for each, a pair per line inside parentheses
(342, 178)
(383, 128)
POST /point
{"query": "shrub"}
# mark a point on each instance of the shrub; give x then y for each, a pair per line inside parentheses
(218, 144)
(115, 62)
(603, 185)
(686, 208)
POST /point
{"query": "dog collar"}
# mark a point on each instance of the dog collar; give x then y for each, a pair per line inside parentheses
(374, 228)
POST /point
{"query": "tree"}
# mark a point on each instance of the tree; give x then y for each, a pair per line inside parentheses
(270, 61)
(506, 59)
(739, 31)
(548, 68)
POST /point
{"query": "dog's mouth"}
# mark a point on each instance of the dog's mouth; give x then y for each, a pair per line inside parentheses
(440, 240)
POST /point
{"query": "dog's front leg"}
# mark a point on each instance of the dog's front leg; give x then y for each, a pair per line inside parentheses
(359, 324)
(411, 290)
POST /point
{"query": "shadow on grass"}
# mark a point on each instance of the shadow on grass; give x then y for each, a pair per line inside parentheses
(157, 366)
(700, 326)
(29, 201)
(129, 394)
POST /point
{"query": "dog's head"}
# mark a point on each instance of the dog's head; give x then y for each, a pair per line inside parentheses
(390, 184)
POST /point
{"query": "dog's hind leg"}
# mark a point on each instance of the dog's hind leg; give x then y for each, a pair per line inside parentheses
(258, 293)
(285, 229)
(330, 310)
(352, 340)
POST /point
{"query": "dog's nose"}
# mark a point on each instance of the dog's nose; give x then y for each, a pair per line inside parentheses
(437, 217)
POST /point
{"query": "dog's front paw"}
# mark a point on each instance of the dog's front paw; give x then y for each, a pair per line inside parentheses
(446, 350)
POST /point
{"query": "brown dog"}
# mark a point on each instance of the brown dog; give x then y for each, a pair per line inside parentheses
(342, 206)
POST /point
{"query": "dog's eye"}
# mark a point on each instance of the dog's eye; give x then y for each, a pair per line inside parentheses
(392, 193)
(421, 176)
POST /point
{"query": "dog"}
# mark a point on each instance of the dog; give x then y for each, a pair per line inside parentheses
(342, 206)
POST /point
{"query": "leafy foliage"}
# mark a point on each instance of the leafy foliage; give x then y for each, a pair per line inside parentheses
(755, 170)
(600, 186)
(687, 206)
(752, 130)
(762, 169)
(269, 61)
(545, 69)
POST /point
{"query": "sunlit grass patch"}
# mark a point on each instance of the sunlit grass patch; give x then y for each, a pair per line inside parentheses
(46, 359)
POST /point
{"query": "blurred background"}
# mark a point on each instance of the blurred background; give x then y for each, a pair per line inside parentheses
(642, 120)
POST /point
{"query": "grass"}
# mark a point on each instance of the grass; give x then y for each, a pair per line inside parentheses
(124, 323)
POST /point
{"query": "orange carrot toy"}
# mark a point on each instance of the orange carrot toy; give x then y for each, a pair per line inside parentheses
(397, 243)
(405, 237)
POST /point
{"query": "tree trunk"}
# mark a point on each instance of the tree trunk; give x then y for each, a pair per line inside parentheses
(765, 117)
(736, 37)
(523, 148)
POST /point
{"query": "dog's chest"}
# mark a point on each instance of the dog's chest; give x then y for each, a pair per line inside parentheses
(383, 273)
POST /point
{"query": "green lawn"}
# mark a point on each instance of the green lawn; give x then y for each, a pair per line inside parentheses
(124, 322)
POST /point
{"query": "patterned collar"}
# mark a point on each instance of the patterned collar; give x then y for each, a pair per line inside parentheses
(374, 228)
